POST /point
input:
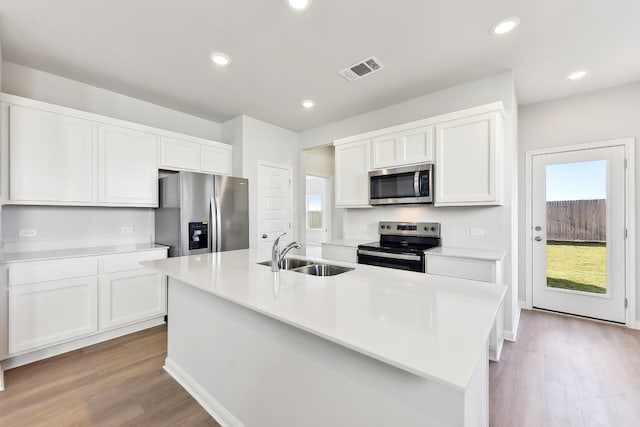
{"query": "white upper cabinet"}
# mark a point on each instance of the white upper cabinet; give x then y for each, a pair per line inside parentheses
(216, 160)
(52, 155)
(402, 148)
(128, 168)
(469, 161)
(206, 156)
(352, 174)
(51, 158)
(179, 154)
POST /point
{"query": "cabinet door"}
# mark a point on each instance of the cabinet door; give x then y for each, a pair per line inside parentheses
(216, 160)
(402, 148)
(51, 157)
(128, 169)
(415, 146)
(352, 174)
(129, 297)
(468, 165)
(178, 154)
(383, 151)
(52, 312)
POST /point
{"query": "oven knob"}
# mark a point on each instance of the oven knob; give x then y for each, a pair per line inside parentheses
(433, 229)
(425, 229)
(382, 226)
(388, 227)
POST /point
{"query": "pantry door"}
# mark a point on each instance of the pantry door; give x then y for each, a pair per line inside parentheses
(578, 232)
(275, 203)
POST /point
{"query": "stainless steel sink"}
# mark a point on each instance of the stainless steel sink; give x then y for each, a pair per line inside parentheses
(289, 263)
(323, 269)
(310, 267)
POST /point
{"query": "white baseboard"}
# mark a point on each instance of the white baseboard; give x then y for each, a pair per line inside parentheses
(512, 334)
(33, 356)
(1, 377)
(206, 400)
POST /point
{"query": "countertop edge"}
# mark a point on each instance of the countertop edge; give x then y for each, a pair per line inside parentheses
(71, 252)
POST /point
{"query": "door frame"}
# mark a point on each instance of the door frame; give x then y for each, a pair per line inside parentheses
(329, 202)
(292, 229)
(630, 219)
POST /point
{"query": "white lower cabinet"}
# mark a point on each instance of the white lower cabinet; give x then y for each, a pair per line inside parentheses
(473, 264)
(51, 312)
(53, 302)
(128, 297)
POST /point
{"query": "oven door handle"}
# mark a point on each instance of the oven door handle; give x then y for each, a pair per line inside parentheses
(407, 257)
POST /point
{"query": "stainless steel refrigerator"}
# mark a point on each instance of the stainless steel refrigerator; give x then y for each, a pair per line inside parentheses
(199, 213)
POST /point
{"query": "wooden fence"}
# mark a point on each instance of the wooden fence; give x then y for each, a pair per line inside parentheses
(577, 220)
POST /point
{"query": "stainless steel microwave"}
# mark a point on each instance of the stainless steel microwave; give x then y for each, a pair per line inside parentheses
(403, 185)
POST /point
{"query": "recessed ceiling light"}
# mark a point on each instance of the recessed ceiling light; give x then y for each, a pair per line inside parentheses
(577, 75)
(307, 103)
(220, 58)
(506, 25)
(299, 4)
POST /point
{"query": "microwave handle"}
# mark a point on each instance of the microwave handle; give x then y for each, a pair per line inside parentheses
(416, 183)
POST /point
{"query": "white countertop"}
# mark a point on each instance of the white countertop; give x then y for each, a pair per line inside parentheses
(77, 252)
(484, 254)
(432, 326)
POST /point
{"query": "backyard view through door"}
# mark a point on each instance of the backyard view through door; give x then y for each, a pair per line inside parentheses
(578, 232)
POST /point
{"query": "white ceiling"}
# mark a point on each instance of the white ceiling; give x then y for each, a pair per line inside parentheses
(158, 50)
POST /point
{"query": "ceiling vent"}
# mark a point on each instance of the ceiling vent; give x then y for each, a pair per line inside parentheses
(360, 69)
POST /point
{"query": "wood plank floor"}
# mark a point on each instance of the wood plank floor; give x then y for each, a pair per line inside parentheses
(566, 371)
(116, 383)
(563, 371)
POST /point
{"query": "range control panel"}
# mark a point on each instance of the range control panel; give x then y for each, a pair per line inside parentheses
(198, 235)
(423, 229)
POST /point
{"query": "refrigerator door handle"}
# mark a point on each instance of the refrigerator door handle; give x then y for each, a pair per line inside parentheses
(212, 230)
(218, 225)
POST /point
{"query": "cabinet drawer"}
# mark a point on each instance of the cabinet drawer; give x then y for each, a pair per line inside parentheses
(45, 271)
(130, 261)
(339, 253)
(51, 313)
(464, 268)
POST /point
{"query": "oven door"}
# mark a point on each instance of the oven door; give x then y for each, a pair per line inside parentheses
(406, 261)
(406, 185)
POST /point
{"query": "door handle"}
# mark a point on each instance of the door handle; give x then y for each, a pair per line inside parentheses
(264, 236)
(538, 239)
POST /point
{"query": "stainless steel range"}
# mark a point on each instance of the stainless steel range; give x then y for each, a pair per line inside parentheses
(401, 245)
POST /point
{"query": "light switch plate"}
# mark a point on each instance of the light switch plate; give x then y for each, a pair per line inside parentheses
(126, 230)
(27, 232)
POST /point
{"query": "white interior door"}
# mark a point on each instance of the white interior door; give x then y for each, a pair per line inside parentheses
(578, 220)
(275, 204)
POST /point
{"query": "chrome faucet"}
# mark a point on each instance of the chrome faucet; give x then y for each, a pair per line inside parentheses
(277, 257)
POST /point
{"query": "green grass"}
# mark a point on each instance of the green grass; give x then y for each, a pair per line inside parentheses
(577, 266)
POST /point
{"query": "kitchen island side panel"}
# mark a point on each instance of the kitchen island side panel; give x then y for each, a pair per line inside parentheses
(267, 373)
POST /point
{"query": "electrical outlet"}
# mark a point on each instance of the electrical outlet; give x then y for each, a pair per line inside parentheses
(126, 230)
(477, 231)
(27, 232)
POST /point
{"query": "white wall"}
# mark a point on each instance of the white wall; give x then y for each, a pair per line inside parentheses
(31, 83)
(70, 227)
(498, 223)
(231, 132)
(262, 141)
(596, 116)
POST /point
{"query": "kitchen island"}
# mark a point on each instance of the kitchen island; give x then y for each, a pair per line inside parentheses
(372, 346)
